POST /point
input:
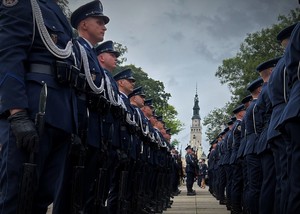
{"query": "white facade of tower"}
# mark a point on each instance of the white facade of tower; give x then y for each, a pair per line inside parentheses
(196, 129)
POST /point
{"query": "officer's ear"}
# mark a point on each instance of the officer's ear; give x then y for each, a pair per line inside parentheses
(100, 58)
(83, 24)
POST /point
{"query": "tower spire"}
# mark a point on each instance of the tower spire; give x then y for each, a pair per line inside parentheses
(196, 107)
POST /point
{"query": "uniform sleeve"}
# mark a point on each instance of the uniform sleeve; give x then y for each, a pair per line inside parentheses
(292, 55)
(16, 38)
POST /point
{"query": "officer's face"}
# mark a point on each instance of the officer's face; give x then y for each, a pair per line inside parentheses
(284, 43)
(140, 101)
(108, 61)
(126, 85)
(159, 124)
(153, 120)
(147, 111)
(95, 28)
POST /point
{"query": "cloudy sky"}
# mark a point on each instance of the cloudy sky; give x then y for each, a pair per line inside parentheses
(182, 43)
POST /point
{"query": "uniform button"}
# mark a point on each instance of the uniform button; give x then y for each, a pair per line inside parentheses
(53, 27)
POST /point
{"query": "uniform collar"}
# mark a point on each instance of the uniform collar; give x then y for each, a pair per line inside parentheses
(124, 94)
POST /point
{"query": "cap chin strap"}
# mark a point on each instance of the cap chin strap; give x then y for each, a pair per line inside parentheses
(86, 67)
(48, 42)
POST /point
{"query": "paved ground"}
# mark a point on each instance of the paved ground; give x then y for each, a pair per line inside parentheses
(202, 203)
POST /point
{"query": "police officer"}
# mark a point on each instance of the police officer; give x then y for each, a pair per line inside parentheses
(252, 159)
(240, 154)
(90, 22)
(289, 121)
(190, 170)
(202, 173)
(125, 149)
(209, 170)
(28, 59)
(221, 173)
(150, 154)
(266, 200)
(278, 96)
(107, 57)
(212, 169)
(161, 162)
(228, 141)
(237, 171)
(137, 99)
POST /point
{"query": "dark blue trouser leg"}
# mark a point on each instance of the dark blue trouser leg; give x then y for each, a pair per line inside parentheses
(278, 146)
(254, 180)
(292, 128)
(237, 187)
(189, 181)
(222, 183)
(245, 185)
(267, 194)
(51, 159)
(217, 182)
(228, 170)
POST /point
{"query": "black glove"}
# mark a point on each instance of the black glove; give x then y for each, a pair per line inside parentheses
(25, 131)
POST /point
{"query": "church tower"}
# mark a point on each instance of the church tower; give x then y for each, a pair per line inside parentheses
(196, 128)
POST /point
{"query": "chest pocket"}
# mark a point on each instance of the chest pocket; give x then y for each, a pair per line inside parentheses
(56, 30)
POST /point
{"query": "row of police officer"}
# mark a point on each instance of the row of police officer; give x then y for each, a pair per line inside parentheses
(72, 134)
(258, 149)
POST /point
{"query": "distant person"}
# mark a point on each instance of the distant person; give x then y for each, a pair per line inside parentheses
(202, 173)
(191, 167)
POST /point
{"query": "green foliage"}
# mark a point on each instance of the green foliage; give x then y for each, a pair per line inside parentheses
(122, 49)
(215, 122)
(64, 6)
(175, 142)
(237, 72)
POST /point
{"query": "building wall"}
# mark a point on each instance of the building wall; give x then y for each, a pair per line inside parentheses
(196, 136)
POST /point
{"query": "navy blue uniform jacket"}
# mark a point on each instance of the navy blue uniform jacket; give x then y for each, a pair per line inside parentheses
(18, 87)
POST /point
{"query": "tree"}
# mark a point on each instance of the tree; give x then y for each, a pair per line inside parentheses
(64, 5)
(122, 50)
(237, 72)
(215, 122)
(175, 142)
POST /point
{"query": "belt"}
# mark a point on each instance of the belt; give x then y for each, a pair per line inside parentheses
(42, 69)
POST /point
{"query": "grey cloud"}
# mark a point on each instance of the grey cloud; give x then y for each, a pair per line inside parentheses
(204, 51)
(178, 36)
(181, 42)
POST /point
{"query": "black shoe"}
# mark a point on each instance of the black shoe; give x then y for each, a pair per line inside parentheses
(222, 202)
(191, 193)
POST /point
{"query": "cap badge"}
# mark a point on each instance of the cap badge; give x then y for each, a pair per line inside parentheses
(9, 3)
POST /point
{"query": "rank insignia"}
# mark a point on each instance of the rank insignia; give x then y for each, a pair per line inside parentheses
(54, 38)
(9, 3)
